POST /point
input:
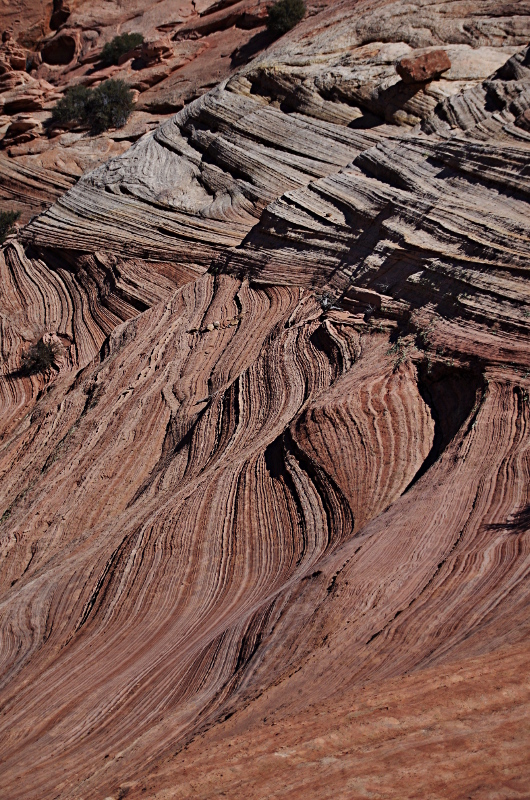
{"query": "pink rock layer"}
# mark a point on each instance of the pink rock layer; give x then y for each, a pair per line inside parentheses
(265, 520)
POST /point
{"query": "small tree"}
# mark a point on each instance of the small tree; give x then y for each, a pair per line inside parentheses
(120, 45)
(7, 223)
(110, 106)
(40, 358)
(73, 106)
(284, 15)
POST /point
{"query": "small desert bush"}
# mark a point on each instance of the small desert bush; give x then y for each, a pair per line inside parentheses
(40, 357)
(107, 106)
(120, 45)
(73, 106)
(7, 223)
(284, 15)
(110, 106)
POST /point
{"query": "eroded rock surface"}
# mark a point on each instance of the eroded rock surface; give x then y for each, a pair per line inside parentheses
(188, 49)
(265, 524)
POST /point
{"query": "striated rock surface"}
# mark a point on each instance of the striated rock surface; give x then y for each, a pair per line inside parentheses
(188, 49)
(265, 522)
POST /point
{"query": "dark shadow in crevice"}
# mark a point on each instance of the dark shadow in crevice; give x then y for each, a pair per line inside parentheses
(340, 522)
(366, 122)
(452, 395)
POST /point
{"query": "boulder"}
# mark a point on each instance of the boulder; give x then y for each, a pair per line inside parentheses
(30, 96)
(129, 55)
(17, 59)
(23, 129)
(22, 125)
(9, 80)
(425, 67)
(156, 50)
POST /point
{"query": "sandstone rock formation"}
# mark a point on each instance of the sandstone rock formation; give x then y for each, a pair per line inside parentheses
(188, 49)
(265, 527)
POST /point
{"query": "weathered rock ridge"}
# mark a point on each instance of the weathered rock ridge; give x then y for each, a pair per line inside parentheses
(189, 47)
(265, 525)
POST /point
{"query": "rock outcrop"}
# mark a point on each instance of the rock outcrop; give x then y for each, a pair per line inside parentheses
(184, 55)
(265, 524)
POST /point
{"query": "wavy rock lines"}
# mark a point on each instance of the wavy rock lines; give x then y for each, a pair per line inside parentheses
(440, 575)
(257, 490)
(379, 425)
(199, 184)
(234, 511)
(76, 300)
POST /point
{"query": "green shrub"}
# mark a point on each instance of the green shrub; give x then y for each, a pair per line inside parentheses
(108, 106)
(7, 223)
(40, 357)
(284, 15)
(120, 45)
(73, 106)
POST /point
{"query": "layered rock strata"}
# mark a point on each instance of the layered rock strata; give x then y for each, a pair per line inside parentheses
(188, 49)
(265, 523)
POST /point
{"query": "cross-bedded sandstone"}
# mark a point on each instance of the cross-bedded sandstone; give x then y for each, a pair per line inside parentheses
(272, 507)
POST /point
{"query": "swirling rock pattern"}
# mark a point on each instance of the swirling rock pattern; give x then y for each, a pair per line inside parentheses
(217, 451)
(265, 525)
(192, 193)
(78, 299)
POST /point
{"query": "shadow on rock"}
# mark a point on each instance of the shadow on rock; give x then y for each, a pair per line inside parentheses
(242, 55)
